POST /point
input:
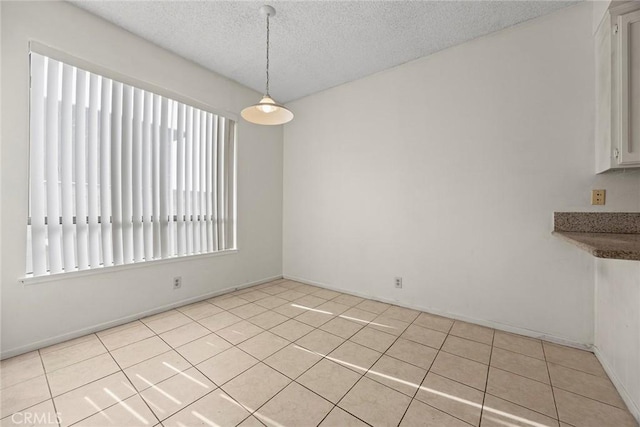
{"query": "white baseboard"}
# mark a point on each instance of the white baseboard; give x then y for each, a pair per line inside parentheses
(624, 394)
(106, 325)
(481, 322)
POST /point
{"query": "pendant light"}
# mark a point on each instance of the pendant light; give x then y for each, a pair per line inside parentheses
(267, 111)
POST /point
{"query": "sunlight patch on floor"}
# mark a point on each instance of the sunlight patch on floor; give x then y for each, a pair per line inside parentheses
(97, 408)
(187, 376)
(161, 391)
(126, 406)
(436, 392)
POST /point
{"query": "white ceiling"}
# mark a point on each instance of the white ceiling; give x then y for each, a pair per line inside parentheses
(315, 45)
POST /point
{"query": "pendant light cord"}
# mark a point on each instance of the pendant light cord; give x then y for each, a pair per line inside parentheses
(267, 55)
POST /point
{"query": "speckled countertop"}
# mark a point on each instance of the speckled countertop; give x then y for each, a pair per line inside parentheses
(605, 245)
(614, 235)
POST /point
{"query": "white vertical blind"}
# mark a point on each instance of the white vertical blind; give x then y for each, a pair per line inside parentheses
(127, 190)
(66, 169)
(37, 164)
(80, 165)
(189, 180)
(222, 129)
(202, 219)
(52, 147)
(180, 193)
(209, 180)
(147, 176)
(195, 178)
(164, 179)
(116, 172)
(214, 177)
(121, 175)
(94, 195)
(104, 203)
(155, 175)
(230, 188)
(136, 170)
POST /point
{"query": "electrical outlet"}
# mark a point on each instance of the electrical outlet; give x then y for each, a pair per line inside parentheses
(398, 282)
(598, 197)
(177, 282)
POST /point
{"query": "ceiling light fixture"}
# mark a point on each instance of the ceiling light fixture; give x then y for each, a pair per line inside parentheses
(267, 111)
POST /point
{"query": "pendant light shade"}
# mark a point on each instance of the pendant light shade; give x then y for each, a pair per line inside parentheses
(267, 111)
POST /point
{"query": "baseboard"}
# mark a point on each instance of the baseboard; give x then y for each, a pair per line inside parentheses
(481, 322)
(619, 385)
(106, 325)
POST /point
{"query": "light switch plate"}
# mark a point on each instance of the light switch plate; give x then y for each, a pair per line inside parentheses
(598, 197)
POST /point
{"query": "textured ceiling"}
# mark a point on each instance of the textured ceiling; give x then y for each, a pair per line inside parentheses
(314, 44)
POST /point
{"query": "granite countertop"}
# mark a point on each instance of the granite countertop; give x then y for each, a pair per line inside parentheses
(613, 235)
(605, 245)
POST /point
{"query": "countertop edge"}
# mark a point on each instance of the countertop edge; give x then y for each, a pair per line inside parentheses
(632, 255)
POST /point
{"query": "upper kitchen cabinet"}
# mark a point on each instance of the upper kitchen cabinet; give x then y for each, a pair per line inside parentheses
(618, 88)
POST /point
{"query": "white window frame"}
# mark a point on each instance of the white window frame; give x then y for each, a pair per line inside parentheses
(65, 58)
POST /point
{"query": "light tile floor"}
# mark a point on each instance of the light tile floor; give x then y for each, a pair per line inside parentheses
(290, 354)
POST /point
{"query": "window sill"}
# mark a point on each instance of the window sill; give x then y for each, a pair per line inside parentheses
(31, 280)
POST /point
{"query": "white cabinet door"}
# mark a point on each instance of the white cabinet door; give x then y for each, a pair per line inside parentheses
(629, 50)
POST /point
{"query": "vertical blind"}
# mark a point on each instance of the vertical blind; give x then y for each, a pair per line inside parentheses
(121, 175)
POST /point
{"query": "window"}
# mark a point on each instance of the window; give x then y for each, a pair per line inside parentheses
(121, 175)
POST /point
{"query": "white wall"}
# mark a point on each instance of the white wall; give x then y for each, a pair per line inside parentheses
(447, 170)
(617, 334)
(35, 315)
(600, 7)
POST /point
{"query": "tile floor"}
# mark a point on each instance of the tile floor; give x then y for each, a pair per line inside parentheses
(290, 354)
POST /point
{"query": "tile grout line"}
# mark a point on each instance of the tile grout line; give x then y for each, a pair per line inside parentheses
(533, 379)
(90, 382)
(66, 366)
(171, 348)
(425, 374)
(262, 361)
(120, 326)
(587, 397)
(525, 377)
(63, 348)
(324, 357)
(58, 421)
(486, 382)
(178, 373)
(372, 365)
(553, 394)
(521, 406)
(137, 393)
(448, 333)
(519, 375)
(219, 386)
(97, 379)
(574, 392)
(462, 357)
(236, 346)
(306, 370)
(580, 371)
(438, 350)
